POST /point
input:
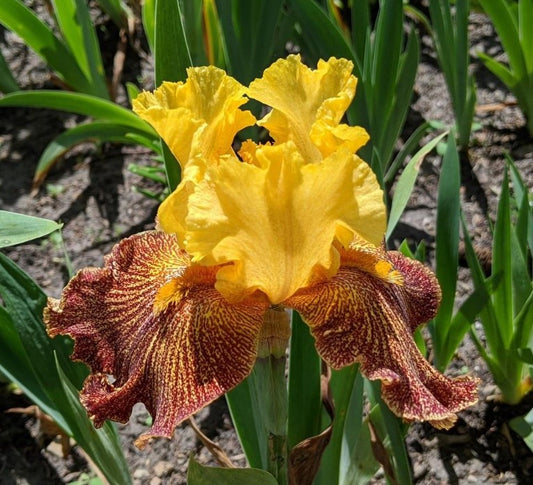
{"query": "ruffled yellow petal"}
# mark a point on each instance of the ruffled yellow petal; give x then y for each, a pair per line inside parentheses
(198, 117)
(158, 326)
(273, 223)
(307, 105)
(366, 313)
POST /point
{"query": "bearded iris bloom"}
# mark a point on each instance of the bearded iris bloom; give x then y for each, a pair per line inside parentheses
(176, 315)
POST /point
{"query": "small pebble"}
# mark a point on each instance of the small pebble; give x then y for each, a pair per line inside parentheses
(162, 468)
(141, 473)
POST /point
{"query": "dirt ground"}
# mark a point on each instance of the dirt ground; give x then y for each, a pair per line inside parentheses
(94, 194)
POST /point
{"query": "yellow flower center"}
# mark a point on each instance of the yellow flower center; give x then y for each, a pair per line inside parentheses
(275, 220)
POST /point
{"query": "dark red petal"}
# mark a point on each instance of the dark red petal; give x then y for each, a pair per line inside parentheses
(366, 314)
(158, 327)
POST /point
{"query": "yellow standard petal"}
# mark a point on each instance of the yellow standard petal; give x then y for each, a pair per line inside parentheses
(275, 221)
(198, 117)
(308, 105)
(174, 209)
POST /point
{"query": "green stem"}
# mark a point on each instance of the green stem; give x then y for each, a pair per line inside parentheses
(270, 386)
(271, 390)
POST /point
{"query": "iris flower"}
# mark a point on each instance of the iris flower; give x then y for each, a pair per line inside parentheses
(174, 318)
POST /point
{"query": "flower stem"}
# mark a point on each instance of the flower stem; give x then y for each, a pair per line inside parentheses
(271, 389)
(271, 392)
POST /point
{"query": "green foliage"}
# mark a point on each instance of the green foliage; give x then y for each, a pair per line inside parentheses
(523, 425)
(513, 21)
(114, 123)
(148, 21)
(242, 403)
(449, 327)
(305, 399)
(41, 367)
(76, 27)
(507, 315)
(450, 34)
(204, 475)
(8, 84)
(172, 58)
(19, 228)
(117, 10)
(248, 53)
(406, 183)
(75, 56)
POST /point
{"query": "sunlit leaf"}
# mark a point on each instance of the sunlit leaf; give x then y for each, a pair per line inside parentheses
(39, 37)
(523, 425)
(406, 183)
(77, 103)
(20, 228)
(96, 131)
(78, 32)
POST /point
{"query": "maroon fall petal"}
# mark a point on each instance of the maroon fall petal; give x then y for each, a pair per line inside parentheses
(366, 313)
(154, 330)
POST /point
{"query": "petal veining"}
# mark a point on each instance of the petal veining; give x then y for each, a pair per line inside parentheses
(157, 325)
(276, 220)
(362, 315)
(198, 117)
(307, 105)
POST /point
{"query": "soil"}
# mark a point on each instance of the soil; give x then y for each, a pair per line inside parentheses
(95, 195)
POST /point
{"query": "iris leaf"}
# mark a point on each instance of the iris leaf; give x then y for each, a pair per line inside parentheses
(20, 228)
(172, 58)
(78, 32)
(251, 432)
(49, 375)
(96, 131)
(406, 183)
(38, 36)
(8, 84)
(305, 401)
(344, 396)
(78, 103)
(205, 475)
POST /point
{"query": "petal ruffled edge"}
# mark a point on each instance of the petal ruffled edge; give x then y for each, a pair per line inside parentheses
(308, 105)
(198, 117)
(159, 328)
(277, 235)
(366, 313)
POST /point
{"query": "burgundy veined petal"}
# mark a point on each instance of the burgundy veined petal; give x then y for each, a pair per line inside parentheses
(159, 328)
(362, 316)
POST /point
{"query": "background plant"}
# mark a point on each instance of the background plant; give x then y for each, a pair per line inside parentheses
(74, 56)
(385, 59)
(512, 21)
(41, 366)
(450, 35)
(507, 316)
